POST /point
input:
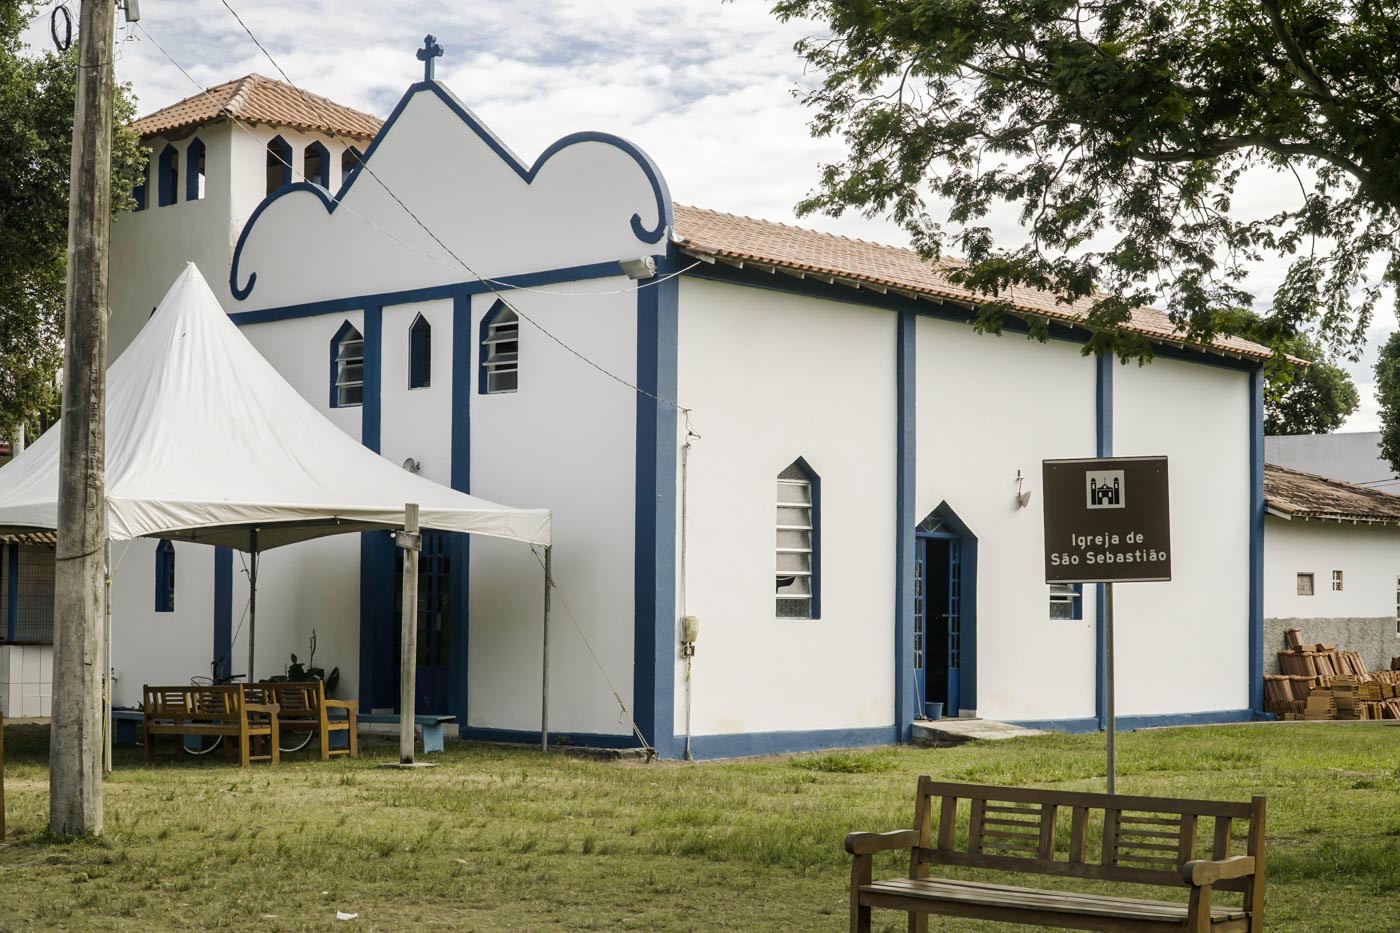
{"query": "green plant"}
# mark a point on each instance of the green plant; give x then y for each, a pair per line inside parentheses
(297, 672)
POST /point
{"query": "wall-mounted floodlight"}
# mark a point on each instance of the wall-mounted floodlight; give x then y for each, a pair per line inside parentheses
(132, 8)
(1023, 495)
(643, 268)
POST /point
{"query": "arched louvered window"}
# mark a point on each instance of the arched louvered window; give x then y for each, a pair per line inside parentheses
(420, 353)
(168, 176)
(348, 160)
(799, 543)
(316, 165)
(194, 170)
(500, 351)
(347, 367)
(279, 164)
(165, 576)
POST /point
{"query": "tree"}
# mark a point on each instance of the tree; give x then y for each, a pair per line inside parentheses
(1315, 399)
(36, 127)
(1388, 394)
(1122, 130)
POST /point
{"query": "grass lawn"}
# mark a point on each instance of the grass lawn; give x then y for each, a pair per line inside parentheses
(504, 839)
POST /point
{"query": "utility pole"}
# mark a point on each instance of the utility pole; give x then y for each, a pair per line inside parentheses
(75, 760)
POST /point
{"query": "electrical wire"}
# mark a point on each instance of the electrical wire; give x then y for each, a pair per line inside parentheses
(490, 283)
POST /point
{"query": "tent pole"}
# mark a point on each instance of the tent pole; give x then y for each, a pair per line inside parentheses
(107, 657)
(411, 542)
(252, 606)
(544, 685)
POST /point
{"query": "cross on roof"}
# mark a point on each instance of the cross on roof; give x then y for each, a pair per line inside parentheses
(427, 53)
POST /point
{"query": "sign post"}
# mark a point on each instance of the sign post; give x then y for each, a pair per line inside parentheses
(1107, 520)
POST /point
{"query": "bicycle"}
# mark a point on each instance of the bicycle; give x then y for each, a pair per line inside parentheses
(290, 740)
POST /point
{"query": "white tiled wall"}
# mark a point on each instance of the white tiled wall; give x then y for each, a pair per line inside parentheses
(26, 680)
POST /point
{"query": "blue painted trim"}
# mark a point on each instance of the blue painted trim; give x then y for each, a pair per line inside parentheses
(379, 684)
(341, 333)
(372, 407)
(1129, 723)
(906, 452)
(1103, 447)
(324, 178)
(750, 744)
(459, 669)
(167, 170)
(1256, 539)
(223, 611)
(596, 270)
(420, 353)
(780, 282)
(665, 218)
(165, 576)
(12, 595)
(556, 739)
(654, 582)
(193, 152)
(492, 315)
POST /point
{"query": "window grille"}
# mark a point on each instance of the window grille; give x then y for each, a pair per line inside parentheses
(1305, 584)
(165, 576)
(349, 368)
(500, 351)
(26, 593)
(420, 353)
(1066, 601)
(796, 550)
(1336, 581)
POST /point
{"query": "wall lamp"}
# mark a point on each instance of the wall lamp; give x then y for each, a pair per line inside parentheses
(1023, 495)
(643, 268)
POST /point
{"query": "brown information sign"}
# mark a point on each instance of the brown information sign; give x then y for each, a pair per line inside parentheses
(1107, 520)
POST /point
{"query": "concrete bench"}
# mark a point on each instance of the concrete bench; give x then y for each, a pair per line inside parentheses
(430, 725)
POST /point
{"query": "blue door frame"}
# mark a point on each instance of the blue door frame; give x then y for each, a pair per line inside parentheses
(938, 619)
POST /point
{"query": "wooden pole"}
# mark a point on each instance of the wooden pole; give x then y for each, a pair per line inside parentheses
(75, 769)
(411, 543)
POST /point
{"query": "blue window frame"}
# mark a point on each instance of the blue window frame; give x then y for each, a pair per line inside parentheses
(1067, 601)
(194, 170)
(348, 160)
(279, 164)
(798, 571)
(316, 165)
(500, 351)
(138, 192)
(167, 176)
(347, 367)
(420, 353)
(165, 576)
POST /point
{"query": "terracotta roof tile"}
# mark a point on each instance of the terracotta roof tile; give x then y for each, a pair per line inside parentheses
(710, 233)
(255, 99)
(1295, 494)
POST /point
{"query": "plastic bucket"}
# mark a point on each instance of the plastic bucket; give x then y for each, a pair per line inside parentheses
(933, 711)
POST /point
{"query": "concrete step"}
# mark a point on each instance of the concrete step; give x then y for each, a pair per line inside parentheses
(957, 731)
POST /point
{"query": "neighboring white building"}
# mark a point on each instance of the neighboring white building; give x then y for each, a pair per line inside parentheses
(1331, 566)
(835, 501)
(1352, 457)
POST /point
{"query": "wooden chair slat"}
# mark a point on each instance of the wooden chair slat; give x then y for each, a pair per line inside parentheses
(947, 823)
(1046, 849)
(1221, 847)
(974, 828)
(1110, 838)
(1078, 829)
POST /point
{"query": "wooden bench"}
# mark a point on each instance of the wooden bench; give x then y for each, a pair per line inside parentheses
(219, 710)
(303, 707)
(1145, 840)
(430, 725)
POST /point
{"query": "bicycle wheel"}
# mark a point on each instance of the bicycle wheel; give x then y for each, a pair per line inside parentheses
(293, 741)
(207, 744)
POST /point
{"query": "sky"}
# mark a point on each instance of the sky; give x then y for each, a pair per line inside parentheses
(710, 89)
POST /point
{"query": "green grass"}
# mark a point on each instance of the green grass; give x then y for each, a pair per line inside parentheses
(504, 839)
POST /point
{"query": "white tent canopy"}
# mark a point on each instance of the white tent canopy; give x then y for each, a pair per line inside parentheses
(207, 442)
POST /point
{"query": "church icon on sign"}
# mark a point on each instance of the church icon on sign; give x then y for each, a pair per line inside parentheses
(1105, 489)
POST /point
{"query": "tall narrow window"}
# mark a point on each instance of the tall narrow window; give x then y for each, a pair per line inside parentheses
(138, 192)
(165, 576)
(279, 164)
(1305, 584)
(347, 367)
(194, 170)
(799, 538)
(168, 176)
(500, 351)
(316, 165)
(348, 160)
(420, 353)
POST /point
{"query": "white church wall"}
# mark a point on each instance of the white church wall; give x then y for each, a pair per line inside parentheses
(772, 377)
(1182, 646)
(564, 441)
(988, 407)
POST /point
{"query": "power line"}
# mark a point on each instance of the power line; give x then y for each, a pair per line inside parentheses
(490, 284)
